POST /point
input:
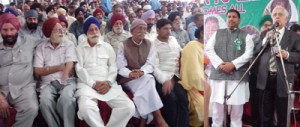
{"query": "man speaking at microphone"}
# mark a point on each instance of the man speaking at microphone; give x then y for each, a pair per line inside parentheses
(270, 78)
(229, 51)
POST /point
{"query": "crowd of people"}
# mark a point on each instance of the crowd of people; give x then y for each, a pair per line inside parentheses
(61, 58)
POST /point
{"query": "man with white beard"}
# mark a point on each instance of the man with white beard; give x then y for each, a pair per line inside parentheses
(97, 72)
(118, 34)
(54, 60)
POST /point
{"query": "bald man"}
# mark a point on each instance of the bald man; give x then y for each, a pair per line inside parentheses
(17, 86)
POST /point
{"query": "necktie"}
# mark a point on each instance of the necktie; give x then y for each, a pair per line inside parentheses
(272, 62)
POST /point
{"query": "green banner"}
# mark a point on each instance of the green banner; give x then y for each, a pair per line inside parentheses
(251, 11)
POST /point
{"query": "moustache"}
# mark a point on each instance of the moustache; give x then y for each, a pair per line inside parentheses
(95, 36)
(141, 34)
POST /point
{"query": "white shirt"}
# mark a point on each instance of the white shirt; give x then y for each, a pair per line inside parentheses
(167, 59)
(115, 40)
(281, 31)
(96, 63)
(152, 35)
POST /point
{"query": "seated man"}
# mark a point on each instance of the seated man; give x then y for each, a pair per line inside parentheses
(136, 58)
(97, 72)
(166, 72)
(118, 34)
(54, 60)
(17, 86)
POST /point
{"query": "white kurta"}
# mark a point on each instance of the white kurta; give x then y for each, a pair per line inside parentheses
(152, 34)
(145, 97)
(96, 63)
(241, 95)
(115, 40)
(167, 64)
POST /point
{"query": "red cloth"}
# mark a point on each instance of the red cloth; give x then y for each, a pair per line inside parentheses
(49, 25)
(98, 10)
(63, 19)
(9, 18)
(117, 17)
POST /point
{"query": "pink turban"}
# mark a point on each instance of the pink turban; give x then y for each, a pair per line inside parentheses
(48, 26)
(9, 18)
(117, 17)
(148, 14)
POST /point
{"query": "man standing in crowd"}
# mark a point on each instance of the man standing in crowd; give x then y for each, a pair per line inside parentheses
(136, 59)
(97, 72)
(229, 64)
(32, 28)
(270, 78)
(118, 34)
(17, 84)
(54, 62)
(173, 96)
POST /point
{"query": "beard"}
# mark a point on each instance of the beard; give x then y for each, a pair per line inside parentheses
(80, 20)
(93, 38)
(10, 39)
(32, 26)
(56, 38)
(149, 26)
(117, 30)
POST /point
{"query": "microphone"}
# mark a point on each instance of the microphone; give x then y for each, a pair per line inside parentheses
(276, 24)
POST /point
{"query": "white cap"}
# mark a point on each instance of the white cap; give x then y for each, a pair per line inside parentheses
(147, 7)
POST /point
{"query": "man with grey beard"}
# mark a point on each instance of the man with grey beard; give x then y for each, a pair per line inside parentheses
(97, 72)
(118, 34)
(54, 62)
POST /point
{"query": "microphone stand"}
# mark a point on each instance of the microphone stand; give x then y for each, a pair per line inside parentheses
(288, 88)
(285, 76)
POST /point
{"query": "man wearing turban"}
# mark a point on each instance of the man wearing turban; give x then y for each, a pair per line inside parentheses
(17, 83)
(31, 27)
(54, 61)
(64, 23)
(117, 9)
(118, 34)
(136, 59)
(76, 26)
(100, 15)
(97, 72)
(149, 18)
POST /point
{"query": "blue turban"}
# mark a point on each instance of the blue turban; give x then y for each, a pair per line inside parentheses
(89, 21)
(12, 11)
(31, 13)
(78, 10)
